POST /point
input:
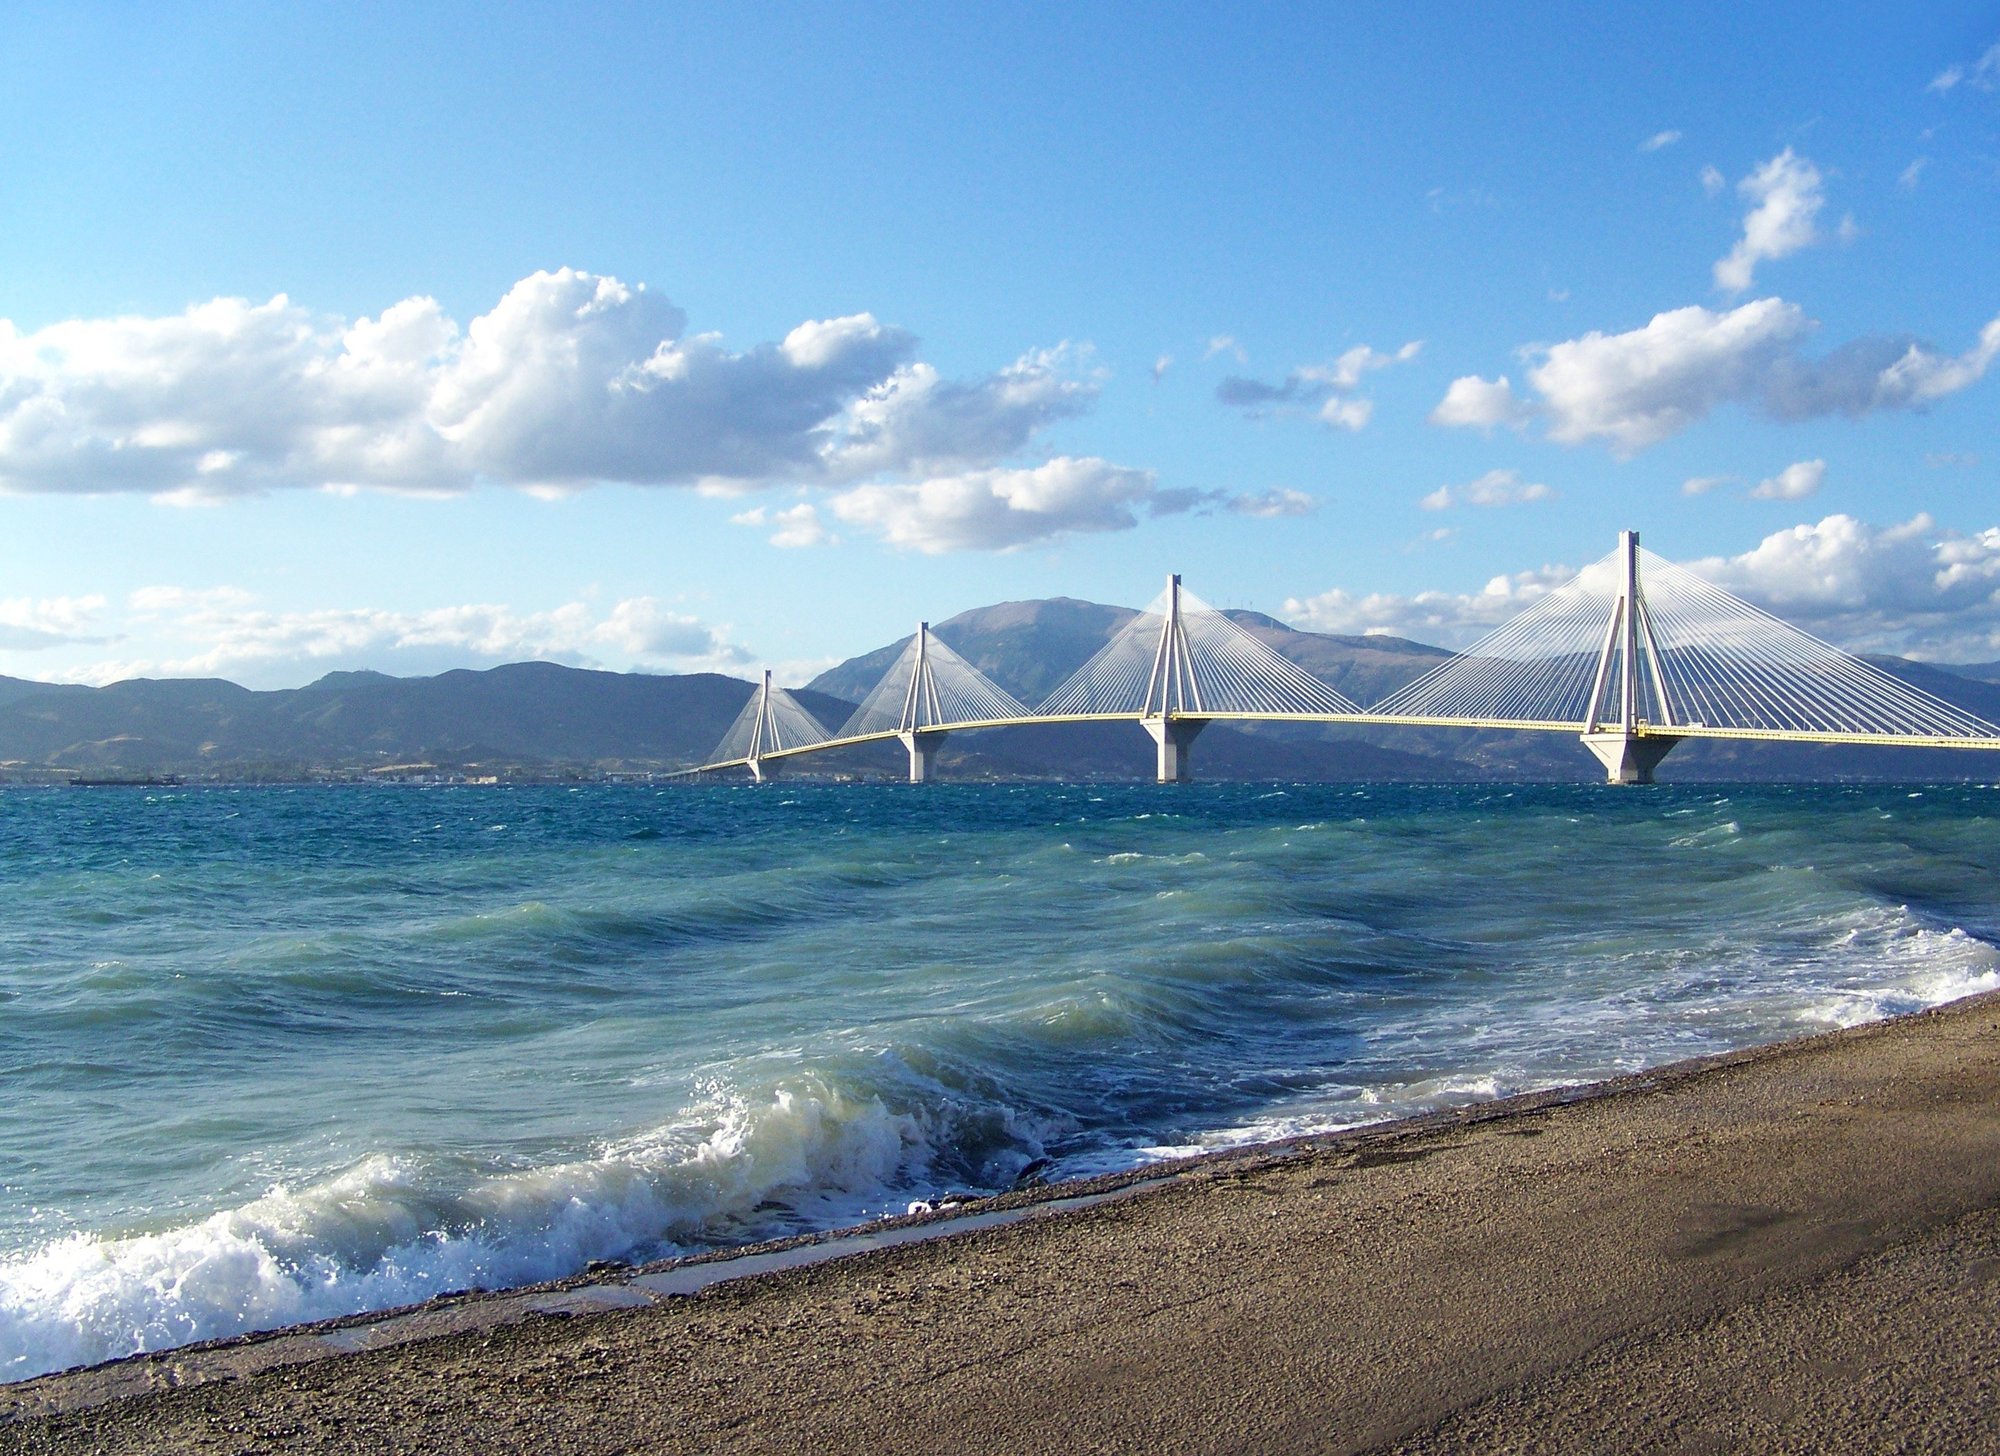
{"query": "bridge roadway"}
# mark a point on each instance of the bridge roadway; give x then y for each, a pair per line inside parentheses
(1641, 730)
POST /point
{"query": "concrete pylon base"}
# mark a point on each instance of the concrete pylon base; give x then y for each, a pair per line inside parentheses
(1627, 758)
(1174, 736)
(762, 770)
(923, 749)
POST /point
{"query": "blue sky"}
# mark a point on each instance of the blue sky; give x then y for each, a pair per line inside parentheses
(675, 339)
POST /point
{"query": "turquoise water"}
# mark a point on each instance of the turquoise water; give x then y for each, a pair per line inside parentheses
(277, 1054)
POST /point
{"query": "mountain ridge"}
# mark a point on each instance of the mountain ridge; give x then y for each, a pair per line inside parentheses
(542, 720)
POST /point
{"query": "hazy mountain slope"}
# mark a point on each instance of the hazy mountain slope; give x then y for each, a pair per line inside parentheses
(526, 716)
(540, 718)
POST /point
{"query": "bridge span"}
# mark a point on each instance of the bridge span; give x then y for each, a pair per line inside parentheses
(1633, 656)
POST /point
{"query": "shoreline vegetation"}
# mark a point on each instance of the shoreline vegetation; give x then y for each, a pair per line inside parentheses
(1795, 1247)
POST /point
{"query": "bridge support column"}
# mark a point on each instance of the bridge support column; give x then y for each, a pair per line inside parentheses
(763, 772)
(1628, 758)
(923, 749)
(1174, 736)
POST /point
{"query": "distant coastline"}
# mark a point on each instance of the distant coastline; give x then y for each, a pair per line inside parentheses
(543, 723)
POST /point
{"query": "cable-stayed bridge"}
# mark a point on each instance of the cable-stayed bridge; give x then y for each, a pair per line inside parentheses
(1633, 655)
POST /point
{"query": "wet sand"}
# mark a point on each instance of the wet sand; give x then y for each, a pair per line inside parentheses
(1795, 1249)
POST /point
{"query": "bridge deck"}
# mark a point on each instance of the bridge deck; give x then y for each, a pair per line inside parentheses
(1399, 720)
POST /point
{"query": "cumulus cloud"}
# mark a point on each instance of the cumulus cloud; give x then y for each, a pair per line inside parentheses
(1911, 589)
(1494, 488)
(1445, 619)
(1794, 482)
(916, 421)
(1786, 196)
(570, 380)
(1477, 403)
(1659, 140)
(223, 632)
(1712, 181)
(1703, 484)
(999, 509)
(1324, 390)
(1635, 389)
(1160, 367)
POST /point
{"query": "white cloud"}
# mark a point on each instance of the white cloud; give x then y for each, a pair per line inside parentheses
(917, 422)
(153, 601)
(1635, 389)
(1659, 140)
(1911, 589)
(1472, 402)
(1271, 504)
(1786, 196)
(1494, 488)
(1445, 619)
(795, 526)
(1324, 390)
(1912, 173)
(1000, 509)
(1703, 484)
(1795, 482)
(1712, 181)
(1226, 344)
(571, 379)
(30, 624)
(221, 632)
(1347, 414)
(1160, 367)
(1920, 375)
(1983, 73)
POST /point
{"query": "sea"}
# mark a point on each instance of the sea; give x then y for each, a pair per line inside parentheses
(270, 1055)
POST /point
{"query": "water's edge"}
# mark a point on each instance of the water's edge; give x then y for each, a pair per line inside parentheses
(642, 1286)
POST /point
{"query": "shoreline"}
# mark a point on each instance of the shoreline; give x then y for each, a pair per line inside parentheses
(130, 1394)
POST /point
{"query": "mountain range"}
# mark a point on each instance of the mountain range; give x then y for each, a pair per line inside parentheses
(541, 720)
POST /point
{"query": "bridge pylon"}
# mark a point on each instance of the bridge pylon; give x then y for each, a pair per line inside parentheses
(1629, 742)
(920, 706)
(771, 721)
(763, 735)
(1172, 692)
(926, 688)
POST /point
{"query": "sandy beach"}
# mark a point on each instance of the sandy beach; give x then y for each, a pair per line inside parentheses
(1792, 1249)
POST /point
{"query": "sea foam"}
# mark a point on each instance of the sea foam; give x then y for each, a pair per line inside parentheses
(395, 1230)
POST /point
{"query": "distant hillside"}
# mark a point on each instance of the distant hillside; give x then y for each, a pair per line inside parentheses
(532, 718)
(537, 719)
